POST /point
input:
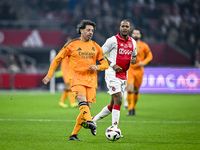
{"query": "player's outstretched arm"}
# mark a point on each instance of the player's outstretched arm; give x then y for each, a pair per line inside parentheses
(53, 67)
(46, 80)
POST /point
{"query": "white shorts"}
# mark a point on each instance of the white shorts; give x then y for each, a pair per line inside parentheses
(115, 85)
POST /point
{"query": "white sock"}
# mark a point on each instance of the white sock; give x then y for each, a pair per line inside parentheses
(115, 115)
(103, 113)
(125, 99)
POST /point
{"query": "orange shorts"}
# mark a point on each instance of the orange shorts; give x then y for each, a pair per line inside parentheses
(135, 78)
(88, 92)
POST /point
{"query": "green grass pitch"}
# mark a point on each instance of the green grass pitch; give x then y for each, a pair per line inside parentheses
(34, 121)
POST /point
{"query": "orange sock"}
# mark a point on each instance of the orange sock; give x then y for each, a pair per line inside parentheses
(71, 97)
(64, 96)
(85, 111)
(135, 98)
(130, 100)
(78, 126)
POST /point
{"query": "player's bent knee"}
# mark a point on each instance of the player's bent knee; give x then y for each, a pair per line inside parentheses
(81, 98)
(130, 88)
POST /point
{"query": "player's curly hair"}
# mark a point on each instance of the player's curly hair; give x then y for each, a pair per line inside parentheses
(83, 24)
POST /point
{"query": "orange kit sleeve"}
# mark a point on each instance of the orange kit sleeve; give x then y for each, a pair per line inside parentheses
(103, 61)
(148, 54)
(65, 51)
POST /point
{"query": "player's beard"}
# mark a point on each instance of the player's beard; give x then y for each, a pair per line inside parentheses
(136, 38)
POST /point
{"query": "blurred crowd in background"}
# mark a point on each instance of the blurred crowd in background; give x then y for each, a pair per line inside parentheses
(15, 63)
(173, 21)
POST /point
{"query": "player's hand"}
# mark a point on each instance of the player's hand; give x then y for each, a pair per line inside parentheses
(46, 80)
(94, 67)
(133, 60)
(140, 64)
(117, 68)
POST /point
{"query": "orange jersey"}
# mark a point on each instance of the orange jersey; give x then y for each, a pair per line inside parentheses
(144, 55)
(64, 67)
(82, 55)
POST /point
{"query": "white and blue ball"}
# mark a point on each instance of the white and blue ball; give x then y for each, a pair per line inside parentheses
(113, 133)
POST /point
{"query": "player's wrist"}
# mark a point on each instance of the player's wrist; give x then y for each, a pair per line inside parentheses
(112, 64)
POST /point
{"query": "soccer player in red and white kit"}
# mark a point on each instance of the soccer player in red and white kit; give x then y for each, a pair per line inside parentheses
(122, 50)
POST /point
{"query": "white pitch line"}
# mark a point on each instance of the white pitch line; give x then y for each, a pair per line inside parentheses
(121, 121)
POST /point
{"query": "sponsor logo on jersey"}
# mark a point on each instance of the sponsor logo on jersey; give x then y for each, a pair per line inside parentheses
(93, 48)
(125, 46)
(130, 45)
(123, 51)
(86, 55)
(79, 49)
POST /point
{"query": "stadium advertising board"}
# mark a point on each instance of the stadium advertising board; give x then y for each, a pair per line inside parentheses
(171, 80)
(30, 38)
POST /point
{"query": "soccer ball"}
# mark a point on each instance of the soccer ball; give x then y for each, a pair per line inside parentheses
(113, 133)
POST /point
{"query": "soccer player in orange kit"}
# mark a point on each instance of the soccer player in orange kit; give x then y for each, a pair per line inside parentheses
(83, 54)
(136, 71)
(67, 93)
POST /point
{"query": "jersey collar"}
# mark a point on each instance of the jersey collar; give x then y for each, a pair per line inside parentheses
(119, 37)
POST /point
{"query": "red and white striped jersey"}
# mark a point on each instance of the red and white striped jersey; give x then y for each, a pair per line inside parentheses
(119, 52)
